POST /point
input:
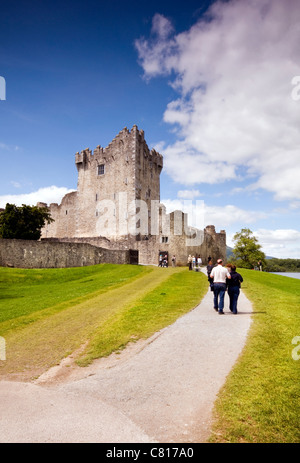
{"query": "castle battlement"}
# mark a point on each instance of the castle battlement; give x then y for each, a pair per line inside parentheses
(130, 145)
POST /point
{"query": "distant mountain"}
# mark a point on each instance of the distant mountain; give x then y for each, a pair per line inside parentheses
(229, 252)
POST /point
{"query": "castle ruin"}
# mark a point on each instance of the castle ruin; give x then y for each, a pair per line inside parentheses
(117, 206)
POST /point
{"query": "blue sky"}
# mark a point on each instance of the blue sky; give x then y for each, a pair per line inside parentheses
(213, 85)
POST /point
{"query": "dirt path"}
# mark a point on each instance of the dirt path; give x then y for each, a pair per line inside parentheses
(159, 390)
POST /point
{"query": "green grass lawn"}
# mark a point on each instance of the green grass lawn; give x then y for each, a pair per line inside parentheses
(260, 401)
(24, 292)
(47, 314)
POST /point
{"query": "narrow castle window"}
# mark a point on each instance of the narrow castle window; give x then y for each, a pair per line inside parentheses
(101, 169)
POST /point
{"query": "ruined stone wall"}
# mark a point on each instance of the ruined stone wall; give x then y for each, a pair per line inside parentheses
(206, 244)
(171, 237)
(215, 243)
(148, 249)
(64, 215)
(179, 246)
(38, 254)
(179, 239)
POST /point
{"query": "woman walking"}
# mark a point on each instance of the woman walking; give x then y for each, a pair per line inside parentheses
(209, 268)
(234, 285)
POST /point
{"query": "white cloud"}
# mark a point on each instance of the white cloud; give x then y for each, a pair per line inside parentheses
(16, 184)
(201, 215)
(189, 194)
(5, 147)
(280, 243)
(161, 26)
(153, 56)
(295, 205)
(233, 74)
(51, 194)
(277, 236)
(188, 167)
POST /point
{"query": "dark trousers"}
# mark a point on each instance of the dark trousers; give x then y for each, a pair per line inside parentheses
(233, 293)
(219, 293)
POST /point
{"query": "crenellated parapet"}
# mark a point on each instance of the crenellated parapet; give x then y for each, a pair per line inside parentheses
(83, 158)
(127, 144)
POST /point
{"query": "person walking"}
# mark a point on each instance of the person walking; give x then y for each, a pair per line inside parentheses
(259, 263)
(174, 261)
(209, 268)
(165, 261)
(190, 261)
(219, 275)
(233, 285)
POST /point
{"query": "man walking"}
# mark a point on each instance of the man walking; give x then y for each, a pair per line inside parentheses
(219, 275)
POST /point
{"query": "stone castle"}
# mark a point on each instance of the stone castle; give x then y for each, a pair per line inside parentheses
(117, 206)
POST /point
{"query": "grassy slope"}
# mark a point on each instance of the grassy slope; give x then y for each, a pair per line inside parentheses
(47, 314)
(148, 313)
(260, 401)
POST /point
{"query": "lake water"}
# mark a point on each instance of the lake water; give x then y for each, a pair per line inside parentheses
(288, 274)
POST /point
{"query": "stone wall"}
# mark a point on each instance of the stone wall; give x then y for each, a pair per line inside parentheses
(38, 254)
(209, 243)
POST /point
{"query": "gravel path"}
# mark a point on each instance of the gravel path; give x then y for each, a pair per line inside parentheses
(159, 390)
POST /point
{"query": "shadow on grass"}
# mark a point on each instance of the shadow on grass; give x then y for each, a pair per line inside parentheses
(252, 313)
(9, 296)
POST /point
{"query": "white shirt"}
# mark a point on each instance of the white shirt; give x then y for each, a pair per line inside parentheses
(220, 274)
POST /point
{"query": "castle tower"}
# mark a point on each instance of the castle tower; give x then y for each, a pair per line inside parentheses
(114, 190)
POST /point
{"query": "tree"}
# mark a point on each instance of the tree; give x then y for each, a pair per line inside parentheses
(23, 222)
(247, 249)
